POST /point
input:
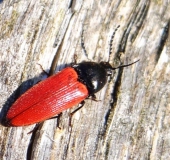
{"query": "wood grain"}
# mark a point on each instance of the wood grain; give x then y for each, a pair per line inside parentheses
(132, 118)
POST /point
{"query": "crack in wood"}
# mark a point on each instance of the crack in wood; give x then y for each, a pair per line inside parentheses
(163, 40)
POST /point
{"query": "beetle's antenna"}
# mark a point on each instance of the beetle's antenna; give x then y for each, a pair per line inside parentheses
(108, 66)
(111, 40)
(82, 43)
(122, 66)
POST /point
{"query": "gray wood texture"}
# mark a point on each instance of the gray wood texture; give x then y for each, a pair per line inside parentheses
(132, 118)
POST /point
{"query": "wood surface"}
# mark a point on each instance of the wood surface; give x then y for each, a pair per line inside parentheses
(131, 120)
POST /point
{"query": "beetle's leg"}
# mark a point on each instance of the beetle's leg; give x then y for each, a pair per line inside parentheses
(93, 97)
(58, 119)
(59, 115)
(81, 105)
(43, 70)
(72, 113)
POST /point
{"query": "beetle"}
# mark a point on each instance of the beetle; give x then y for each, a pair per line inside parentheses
(59, 92)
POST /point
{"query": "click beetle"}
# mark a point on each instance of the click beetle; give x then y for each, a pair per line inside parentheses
(59, 92)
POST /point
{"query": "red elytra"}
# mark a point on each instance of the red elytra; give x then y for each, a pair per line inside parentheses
(47, 98)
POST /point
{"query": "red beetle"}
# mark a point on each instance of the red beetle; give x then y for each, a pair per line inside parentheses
(59, 92)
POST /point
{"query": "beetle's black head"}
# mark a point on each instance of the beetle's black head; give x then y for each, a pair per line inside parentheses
(92, 74)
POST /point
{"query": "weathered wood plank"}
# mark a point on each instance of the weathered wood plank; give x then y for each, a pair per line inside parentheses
(132, 119)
